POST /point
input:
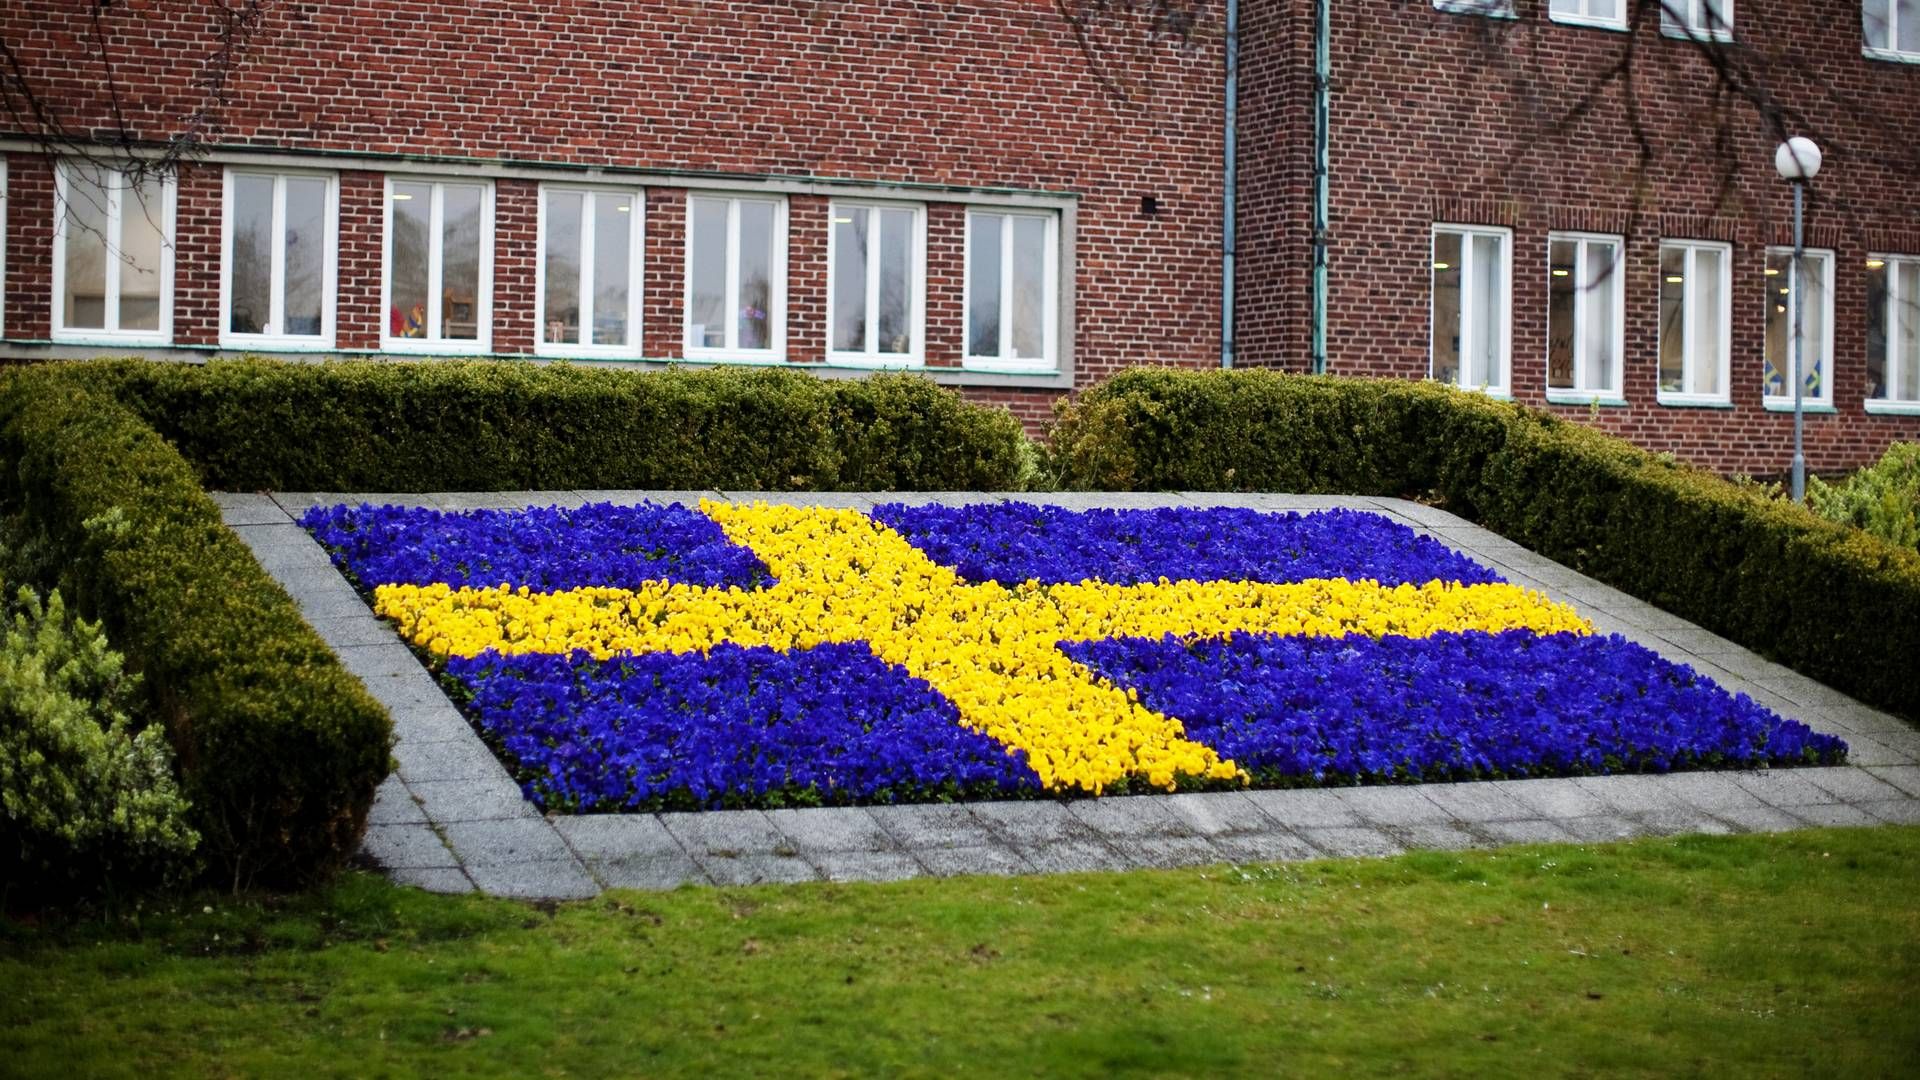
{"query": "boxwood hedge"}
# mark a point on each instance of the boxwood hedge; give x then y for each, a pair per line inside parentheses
(1832, 602)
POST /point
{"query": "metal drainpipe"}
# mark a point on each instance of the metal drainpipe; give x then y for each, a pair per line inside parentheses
(1322, 153)
(1230, 194)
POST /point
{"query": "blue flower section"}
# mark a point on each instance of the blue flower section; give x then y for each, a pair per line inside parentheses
(1449, 707)
(737, 727)
(546, 548)
(1015, 542)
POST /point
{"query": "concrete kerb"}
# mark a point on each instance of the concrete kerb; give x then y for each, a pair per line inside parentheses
(452, 819)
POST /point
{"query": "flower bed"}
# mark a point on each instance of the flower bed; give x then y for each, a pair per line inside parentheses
(653, 657)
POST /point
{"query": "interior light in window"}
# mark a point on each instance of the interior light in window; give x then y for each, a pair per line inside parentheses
(1773, 271)
(843, 221)
(624, 208)
(401, 196)
(1783, 290)
(1676, 279)
(1875, 264)
(1781, 308)
(1442, 266)
(1562, 273)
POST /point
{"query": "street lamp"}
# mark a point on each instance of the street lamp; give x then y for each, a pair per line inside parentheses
(1798, 161)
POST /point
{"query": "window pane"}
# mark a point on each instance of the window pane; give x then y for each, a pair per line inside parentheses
(850, 279)
(1561, 300)
(1603, 9)
(249, 293)
(612, 266)
(1673, 325)
(756, 275)
(1446, 307)
(896, 281)
(1877, 356)
(707, 278)
(1603, 277)
(983, 284)
(1907, 27)
(1779, 266)
(460, 262)
(86, 249)
(1566, 7)
(1709, 333)
(412, 208)
(562, 297)
(1814, 363)
(1713, 15)
(1029, 288)
(1909, 362)
(1483, 352)
(1874, 21)
(142, 217)
(304, 286)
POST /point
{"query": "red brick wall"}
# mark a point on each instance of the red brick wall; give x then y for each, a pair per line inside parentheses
(1444, 117)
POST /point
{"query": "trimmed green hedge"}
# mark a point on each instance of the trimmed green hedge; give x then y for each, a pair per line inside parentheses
(279, 748)
(490, 426)
(1829, 601)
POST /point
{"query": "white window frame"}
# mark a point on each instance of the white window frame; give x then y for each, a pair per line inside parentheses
(482, 341)
(636, 261)
(916, 288)
(1891, 51)
(1688, 308)
(112, 335)
(777, 350)
(1582, 294)
(1696, 20)
(1494, 9)
(330, 272)
(1466, 233)
(1581, 18)
(1825, 397)
(1049, 361)
(1894, 318)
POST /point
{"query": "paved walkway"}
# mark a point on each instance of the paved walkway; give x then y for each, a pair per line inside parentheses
(451, 818)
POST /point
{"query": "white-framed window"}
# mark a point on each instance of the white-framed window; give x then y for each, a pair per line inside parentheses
(587, 278)
(1817, 267)
(876, 274)
(1472, 300)
(1586, 316)
(1891, 29)
(3, 245)
(1012, 290)
(112, 256)
(278, 251)
(736, 302)
(1611, 14)
(1696, 322)
(1893, 329)
(1710, 20)
(436, 285)
(1498, 8)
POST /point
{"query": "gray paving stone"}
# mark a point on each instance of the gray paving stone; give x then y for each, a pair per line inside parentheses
(296, 503)
(393, 805)
(1526, 831)
(439, 879)
(936, 498)
(517, 840)
(757, 869)
(1759, 818)
(1167, 852)
(836, 500)
(328, 602)
(1031, 822)
(1904, 777)
(1698, 641)
(1788, 789)
(429, 724)
(1217, 813)
(467, 759)
(1348, 842)
(1853, 785)
(1476, 802)
(350, 630)
(1679, 820)
(1552, 797)
(1071, 856)
(867, 866)
(1106, 500)
(553, 879)
(1835, 814)
(1895, 811)
(466, 800)
(653, 872)
(1437, 836)
(634, 498)
(993, 859)
(307, 557)
(1857, 718)
(832, 829)
(1866, 750)
(376, 661)
(1431, 516)
(239, 511)
(1709, 791)
(1316, 807)
(600, 838)
(411, 846)
(933, 825)
(503, 500)
(1631, 794)
(1393, 805)
(1599, 828)
(1804, 691)
(726, 832)
(1132, 816)
(276, 535)
(1274, 846)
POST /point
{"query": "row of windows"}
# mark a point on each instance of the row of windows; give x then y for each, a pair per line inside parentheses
(1586, 319)
(1890, 29)
(113, 271)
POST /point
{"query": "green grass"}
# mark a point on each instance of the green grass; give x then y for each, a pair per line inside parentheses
(1779, 955)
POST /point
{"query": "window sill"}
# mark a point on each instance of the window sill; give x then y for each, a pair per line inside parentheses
(110, 338)
(735, 356)
(1892, 56)
(876, 361)
(554, 350)
(1469, 7)
(1575, 397)
(433, 347)
(1682, 402)
(1883, 407)
(1618, 26)
(265, 343)
(1721, 37)
(1811, 407)
(992, 366)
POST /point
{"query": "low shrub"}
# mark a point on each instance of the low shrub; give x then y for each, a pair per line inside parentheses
(1827, 600)
(88, 800)
(1883, 498)
(279, 748)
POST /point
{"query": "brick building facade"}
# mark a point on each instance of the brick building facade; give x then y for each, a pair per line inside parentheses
(1012, 202)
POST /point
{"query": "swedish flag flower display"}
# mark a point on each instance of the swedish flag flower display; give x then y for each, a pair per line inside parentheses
(650, 657)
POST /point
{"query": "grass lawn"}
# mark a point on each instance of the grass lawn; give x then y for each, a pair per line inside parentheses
(1774, 955)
